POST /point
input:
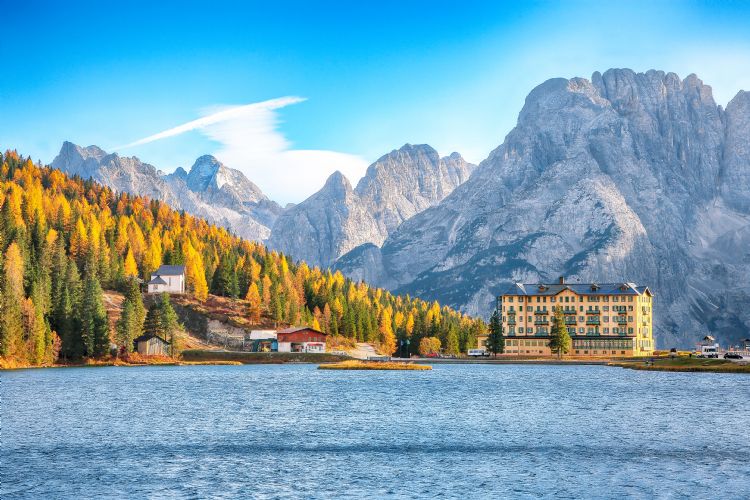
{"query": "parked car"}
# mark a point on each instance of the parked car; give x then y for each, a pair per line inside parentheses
(732, 355)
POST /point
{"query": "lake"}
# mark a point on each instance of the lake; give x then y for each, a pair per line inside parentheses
(472, 431)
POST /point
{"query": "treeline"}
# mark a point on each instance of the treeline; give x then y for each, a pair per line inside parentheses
(65, 239)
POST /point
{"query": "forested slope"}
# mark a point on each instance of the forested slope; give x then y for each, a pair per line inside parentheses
(63, 240)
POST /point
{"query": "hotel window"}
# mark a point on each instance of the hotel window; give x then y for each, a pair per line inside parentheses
(580, 330)
(630, 299)
(538, 299)
(606, 319)
(630, 330)
(529, 308)
(630, 308)
(552, 299)
(630, 318)
(567, 299)
(529, 319)
(580, 299)
(615, 330)
(615, 299)
(606, 330)
(520, 329)
(581, 318)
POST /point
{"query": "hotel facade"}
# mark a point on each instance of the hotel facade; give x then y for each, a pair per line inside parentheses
(609, 319)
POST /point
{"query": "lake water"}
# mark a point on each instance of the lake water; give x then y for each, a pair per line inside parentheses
(472, 431)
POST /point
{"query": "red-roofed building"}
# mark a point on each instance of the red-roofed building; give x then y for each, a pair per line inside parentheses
(301, 339)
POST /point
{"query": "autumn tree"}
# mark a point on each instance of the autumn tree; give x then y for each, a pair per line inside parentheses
(254, 304)
(11, 321)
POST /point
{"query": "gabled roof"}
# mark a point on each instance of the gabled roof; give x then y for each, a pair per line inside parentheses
(157, 281)
(550, 289)
(166, 270)
(294, 329)
(149, 336)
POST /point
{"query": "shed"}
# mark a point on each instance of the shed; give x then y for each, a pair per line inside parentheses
(150, 345)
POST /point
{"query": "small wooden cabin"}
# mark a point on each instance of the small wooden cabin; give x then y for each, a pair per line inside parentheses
(151, 345)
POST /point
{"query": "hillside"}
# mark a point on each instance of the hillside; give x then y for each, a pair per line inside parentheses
(65, 239)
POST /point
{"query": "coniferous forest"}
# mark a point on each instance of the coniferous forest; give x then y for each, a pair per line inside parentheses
(65, 240)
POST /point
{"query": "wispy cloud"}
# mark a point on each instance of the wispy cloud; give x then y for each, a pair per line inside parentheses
(249, 140)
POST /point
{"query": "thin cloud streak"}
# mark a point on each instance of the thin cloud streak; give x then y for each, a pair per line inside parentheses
(218, 117)
(249, 140)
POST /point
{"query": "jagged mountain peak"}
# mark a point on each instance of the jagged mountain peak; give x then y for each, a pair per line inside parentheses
(636, 176)
(211, 190)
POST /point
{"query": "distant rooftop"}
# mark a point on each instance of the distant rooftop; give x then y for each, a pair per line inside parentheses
(157, 281)
(165, 270)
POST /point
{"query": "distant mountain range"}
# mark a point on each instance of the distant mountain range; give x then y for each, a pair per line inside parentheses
(210, 190)
(627, 176)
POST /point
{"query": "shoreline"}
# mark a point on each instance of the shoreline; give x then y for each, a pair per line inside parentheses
(197, 357)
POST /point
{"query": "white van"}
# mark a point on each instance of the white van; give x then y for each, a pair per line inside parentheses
(476, 353)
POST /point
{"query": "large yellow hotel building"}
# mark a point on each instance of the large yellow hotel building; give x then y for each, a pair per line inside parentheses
(608, 319)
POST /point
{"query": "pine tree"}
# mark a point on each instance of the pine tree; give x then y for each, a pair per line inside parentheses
(94, 321)
(451, 344)
(126, 328)
(495, 340)
(559, 342)
(133, 295)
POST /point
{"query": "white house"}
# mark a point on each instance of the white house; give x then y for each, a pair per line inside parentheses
(170, 279)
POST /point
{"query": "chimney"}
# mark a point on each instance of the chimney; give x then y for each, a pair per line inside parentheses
(562, 280)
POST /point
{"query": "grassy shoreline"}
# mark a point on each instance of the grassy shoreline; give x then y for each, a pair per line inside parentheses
(686, 365)
(373, 365)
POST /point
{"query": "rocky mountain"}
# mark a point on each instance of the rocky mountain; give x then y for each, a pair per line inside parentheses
(211, 190)
(339, 218)
(625, 177)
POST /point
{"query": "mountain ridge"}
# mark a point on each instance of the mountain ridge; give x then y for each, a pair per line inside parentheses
(624, 177)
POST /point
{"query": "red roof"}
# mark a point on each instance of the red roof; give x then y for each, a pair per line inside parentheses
(295, 329)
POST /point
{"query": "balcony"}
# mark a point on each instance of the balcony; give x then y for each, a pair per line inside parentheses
(570, 321)
(621, 319)
(593, 311)
(592, 321)
(541, 312)
(541, 321)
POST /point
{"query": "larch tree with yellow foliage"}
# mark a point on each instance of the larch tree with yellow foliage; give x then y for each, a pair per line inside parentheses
(253, 300)
(387, 339)
(131, 268)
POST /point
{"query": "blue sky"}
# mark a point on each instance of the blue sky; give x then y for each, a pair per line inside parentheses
(347, 82)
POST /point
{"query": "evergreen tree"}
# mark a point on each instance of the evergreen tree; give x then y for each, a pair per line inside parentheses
(559, 342)
(94, 321)
(133, 296)
(495, 340)
(451, 345)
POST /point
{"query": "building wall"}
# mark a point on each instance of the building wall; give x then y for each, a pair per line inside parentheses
(306, 346)
(151, 347)
(175, 284)
(611, 325)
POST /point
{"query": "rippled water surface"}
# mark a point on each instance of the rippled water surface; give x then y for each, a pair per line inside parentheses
(472, 431)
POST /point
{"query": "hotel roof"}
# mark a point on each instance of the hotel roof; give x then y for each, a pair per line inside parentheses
(549, 289)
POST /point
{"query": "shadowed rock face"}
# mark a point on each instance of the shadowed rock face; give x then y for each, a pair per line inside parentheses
(210, 190)
(338, 218)
(625, 177)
